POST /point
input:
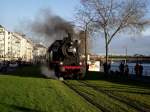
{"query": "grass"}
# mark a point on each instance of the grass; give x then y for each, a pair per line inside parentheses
(38, 94)
(26, 90)
(137, 96)
(114, 97)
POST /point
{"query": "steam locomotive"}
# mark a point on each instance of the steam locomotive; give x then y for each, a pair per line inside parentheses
(64, 58)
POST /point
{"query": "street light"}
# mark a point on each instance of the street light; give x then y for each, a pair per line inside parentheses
(126, 53)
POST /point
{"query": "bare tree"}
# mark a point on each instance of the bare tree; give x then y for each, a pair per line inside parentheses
(84, 23)
(110, 17)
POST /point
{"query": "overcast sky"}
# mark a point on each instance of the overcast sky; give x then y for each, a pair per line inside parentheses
(14, 12)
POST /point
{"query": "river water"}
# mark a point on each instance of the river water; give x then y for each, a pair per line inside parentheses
(146, 68)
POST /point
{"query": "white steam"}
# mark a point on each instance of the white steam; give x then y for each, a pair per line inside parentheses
(47, 72)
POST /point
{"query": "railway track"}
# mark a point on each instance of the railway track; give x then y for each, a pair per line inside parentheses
(90, 101)
(111, 95)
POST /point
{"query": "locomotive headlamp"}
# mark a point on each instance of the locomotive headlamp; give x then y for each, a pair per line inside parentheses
(74, 50)
(61, 63)
(80, 63)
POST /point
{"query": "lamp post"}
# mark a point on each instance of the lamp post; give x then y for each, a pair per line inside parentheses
(126, 51)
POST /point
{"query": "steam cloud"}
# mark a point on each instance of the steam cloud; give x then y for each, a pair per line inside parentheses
(47, 72)
(50, 25)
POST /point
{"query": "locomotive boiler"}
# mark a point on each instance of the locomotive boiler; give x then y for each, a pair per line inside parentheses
(64, 58)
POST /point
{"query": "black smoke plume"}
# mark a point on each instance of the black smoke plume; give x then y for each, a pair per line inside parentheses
(50, 25)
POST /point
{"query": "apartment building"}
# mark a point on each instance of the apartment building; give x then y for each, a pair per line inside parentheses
(39, 53)
(4, 37)
(24, 45)
(29, 51)
(14, 46)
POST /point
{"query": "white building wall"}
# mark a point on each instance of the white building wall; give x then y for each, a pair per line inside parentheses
(14, 46)
(14, 43)
(4, 36)
(39, 53)
(23, 49)
(26, 48)
(29, 51)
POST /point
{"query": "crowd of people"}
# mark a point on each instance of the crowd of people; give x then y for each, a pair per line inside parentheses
(124, 69)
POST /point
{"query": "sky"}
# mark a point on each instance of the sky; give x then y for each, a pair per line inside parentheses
(14, 12)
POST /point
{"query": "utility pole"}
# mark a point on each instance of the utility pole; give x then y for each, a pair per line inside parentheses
(126, 55)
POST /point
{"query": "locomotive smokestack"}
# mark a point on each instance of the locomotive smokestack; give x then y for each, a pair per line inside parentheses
(70, 35)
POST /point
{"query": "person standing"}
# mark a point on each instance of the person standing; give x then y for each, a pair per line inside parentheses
(136, 69)
(126, 70)
(140, 70)
(121, 68)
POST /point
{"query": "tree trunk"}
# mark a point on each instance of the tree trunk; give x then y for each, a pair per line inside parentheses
(106, 55)
(106, 59)
(86, 65)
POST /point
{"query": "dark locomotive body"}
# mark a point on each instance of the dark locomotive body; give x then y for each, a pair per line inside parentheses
(64, 58)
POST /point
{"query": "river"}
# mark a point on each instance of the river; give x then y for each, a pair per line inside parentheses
(146, 68)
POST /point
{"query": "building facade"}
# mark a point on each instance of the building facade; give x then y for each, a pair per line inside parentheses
(39, 53)
(4, 39)
(29, 51)
(15, 46)
(24, 47)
